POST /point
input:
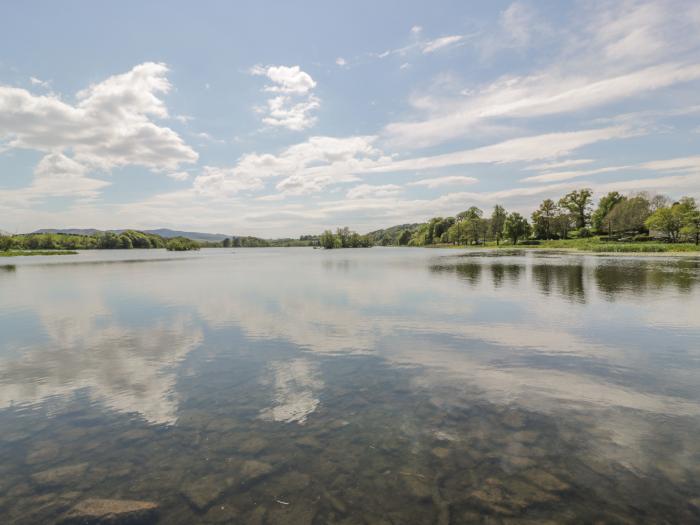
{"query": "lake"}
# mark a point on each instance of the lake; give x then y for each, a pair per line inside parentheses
(367, 386)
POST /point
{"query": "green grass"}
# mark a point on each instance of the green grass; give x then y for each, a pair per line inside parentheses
(595, 245)
(21, 253)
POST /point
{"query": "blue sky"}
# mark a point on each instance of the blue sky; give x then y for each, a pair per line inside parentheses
(281, 118)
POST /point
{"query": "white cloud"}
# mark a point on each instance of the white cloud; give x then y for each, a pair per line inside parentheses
(110, 126)
(282, 112)
(286, 79)
(225, 182)
(437, 182)
(341, 61)
(523, 149)
(683, 164)
(532, 96)
(439, 43)
(559, 164)
(38, 82)
(179, 175)
(416, 30)
(293, 106)
(618, 51)
(56, 175)
(306, 167)
(517, 22)
(364, 191)
(566, 175)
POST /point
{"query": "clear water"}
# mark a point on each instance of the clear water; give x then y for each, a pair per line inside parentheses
(352, 386)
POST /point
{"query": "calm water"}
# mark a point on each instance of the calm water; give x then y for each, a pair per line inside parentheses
(352, 386)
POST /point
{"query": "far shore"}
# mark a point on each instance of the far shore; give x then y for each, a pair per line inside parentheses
(23, 253)
(576, 250)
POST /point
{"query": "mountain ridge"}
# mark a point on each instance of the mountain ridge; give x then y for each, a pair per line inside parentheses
(166, 233)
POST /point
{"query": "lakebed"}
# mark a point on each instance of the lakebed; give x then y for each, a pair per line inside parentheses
(351, 386)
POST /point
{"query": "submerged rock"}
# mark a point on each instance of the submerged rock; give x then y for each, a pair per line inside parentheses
(253, 470)
(309, 442)
(545, 480)
(60, 475)
(201, 494)
(253, 446)
(441, 452)
(43, 453)
(112, 512)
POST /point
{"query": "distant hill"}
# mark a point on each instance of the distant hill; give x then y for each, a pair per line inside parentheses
(390, 235)
(163, 232)
(195, 236)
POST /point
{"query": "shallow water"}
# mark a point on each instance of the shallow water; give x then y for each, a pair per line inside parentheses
(352, 386)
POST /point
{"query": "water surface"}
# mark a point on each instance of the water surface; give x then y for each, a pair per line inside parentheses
(352, 386)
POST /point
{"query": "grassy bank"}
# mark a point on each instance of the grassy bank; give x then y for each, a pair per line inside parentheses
(594, 245)
(22, 253)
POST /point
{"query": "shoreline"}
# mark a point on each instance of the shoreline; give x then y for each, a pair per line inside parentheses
(31, 253)
(563, 249)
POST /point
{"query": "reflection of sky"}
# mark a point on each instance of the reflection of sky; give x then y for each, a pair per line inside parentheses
(547, 332)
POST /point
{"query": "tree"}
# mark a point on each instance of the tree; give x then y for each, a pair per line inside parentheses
(515, 227)
(327, 240)
(343, 236)
(226, 243)
(404, 237)
(578, 202)
(668, 221)
(691, 225)
(6, 242)
(498, 219)
(543, 219)
(475, 228)
(628, 215)
(181, 244)
(605, 204)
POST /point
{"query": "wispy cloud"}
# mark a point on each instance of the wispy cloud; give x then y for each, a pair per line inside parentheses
(523, 149)
(682, 164)
(440, 43)
(436, 182)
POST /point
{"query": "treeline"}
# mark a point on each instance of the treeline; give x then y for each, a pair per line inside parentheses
(125, 240)
(344, 238)
(65, 241)
(637, 217)
(257, 242)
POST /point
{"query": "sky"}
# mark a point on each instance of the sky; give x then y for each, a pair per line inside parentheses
(286, 118)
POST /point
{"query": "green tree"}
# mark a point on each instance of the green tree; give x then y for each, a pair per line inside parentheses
(667, 221)
(516, 227)
(6, 242)
(691, 225)
(327, 240)
(343, 235)
(181, 244)
(404, 237)
(543, 219)
(628, 215)
(498, 219)
(226, 243)
(605, 204)
(578, 202)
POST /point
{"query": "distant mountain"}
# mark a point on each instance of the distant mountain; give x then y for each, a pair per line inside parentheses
(70, 231)
(195, 236)
(163, 232)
